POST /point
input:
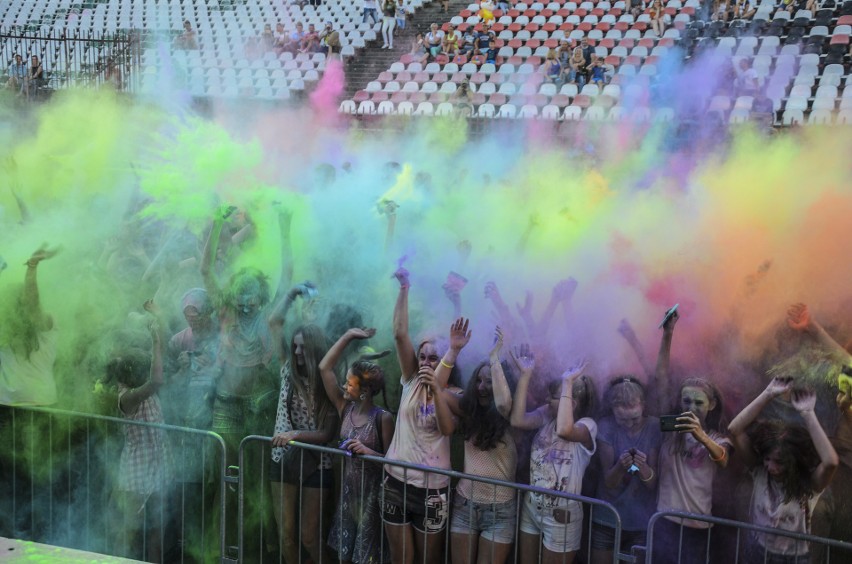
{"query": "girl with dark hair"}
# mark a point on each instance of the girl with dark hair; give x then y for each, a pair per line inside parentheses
(790, 467)
(483, 521)
(561, 452)
(689, 459)
(414, 507)
(300, 478)
(365, 429)
(628, 447)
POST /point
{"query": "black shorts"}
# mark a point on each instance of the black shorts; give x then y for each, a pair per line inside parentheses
(320, 478)
(427, 510)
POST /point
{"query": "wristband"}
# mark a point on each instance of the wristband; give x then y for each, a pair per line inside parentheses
(450, 366)
(649, 478)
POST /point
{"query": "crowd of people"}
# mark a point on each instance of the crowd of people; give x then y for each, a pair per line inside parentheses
(247, 363)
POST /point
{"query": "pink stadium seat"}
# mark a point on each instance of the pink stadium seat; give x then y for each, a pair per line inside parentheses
(627, 43)
(582, 101)
(380, 97)
(839, 39)
(398, 97)
(385, 77)
(421, 77)
(403, 77)
(440, 77)
(477, 78)
(561, 100)
(497, 99)
(361, 96)
(417, 98)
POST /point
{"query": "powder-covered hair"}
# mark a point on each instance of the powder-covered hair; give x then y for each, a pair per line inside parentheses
(715, 420)
(624, 390)
(584, 394)
(132, 368)
(442, 345)
(799, 457)
(484, 426)
(370, 376)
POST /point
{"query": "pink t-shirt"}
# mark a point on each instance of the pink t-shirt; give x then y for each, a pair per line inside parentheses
(498, 463)
(768, 509)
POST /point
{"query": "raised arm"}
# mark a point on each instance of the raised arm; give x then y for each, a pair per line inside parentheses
(443, 413)
(661, 372)
(561, 294)
(626, 331)
(520, 419)
(459, 338)
(405, 352)
(800, 319)
(330, 360)
(279, 315)
(499, 385)
(208, 257)
(565, 427)
(285, 221)
(31, 301)
(504, 315)
(132, 398)
(738, 427)
(804, 401)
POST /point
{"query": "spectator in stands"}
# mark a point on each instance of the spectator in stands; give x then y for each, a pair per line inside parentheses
(467, 41)
(588, 50)
(504, 5)
(329, 40)
(293, 41)
(689, 459)
(388, 22)
(113, 75)
(310, 40)
(577, 68)
(280, 37)
(484, 516)
(597, 72)
(628, 448)
(267, 38)
(744, 9)
(186, 40)
(450, 44)
(401, 16)
(419, 51)
(636, 8)
(790, 466)
(144, 467)
(563, 53)
(371, 10)
(434, 40)
(301, 480)
(722, 10)
(35, 76)
(560, 453)
(551, 68)
(763, 109)
(17, 75)
(356, 535)
(415, 507)
(28, 340)
(483, 50)
(658, 17)
(747, 82)
(462, 99)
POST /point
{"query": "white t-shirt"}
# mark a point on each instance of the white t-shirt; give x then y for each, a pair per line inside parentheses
(29, 381)
(417, 438)
(686, 477)
(768, 509)
(557, 464)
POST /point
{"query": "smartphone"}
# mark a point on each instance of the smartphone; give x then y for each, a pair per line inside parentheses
(668, 315)
(668, 423)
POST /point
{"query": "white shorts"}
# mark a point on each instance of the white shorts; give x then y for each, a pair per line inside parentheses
(560, 535)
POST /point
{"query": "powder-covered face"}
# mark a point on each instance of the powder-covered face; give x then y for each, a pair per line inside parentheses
(696, 400)
(773, 462)
(629, 416)
(428, 356)
(484, 387)
(352, 389)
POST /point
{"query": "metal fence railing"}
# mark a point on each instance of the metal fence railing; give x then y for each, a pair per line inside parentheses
(66, 479)
(73, 58)
(735, 542)
(253, 482)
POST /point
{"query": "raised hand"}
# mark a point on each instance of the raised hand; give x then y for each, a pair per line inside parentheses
(361, 333)
(799, 318)
(564, 289)
(224, 211)
(779, 386)
(151, 307)
(626, 330)
(573, 373)
(459, 334)
(494, 355)
(688, 423)
(42, 253)
(524, 359)
(493, 293)
(803, 400)
(401, 276)
(525, 311)
(427, 376)
(670, 319)
(464, 248)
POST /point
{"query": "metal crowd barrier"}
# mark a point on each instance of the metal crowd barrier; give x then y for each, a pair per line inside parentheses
(255, 478)
(59, 486)
(725, 543)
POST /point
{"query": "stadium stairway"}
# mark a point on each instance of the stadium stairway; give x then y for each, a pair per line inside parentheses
(368, 63)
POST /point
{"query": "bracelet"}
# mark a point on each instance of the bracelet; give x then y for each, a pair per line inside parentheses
(722, 457)
(569, 397)
(649, 478)
(450, 366)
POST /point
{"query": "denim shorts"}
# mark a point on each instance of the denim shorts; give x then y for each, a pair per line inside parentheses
(494, 521)
(603, 538)
(560, 527)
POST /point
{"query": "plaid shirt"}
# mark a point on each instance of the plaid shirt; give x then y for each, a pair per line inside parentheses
(145, 464)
